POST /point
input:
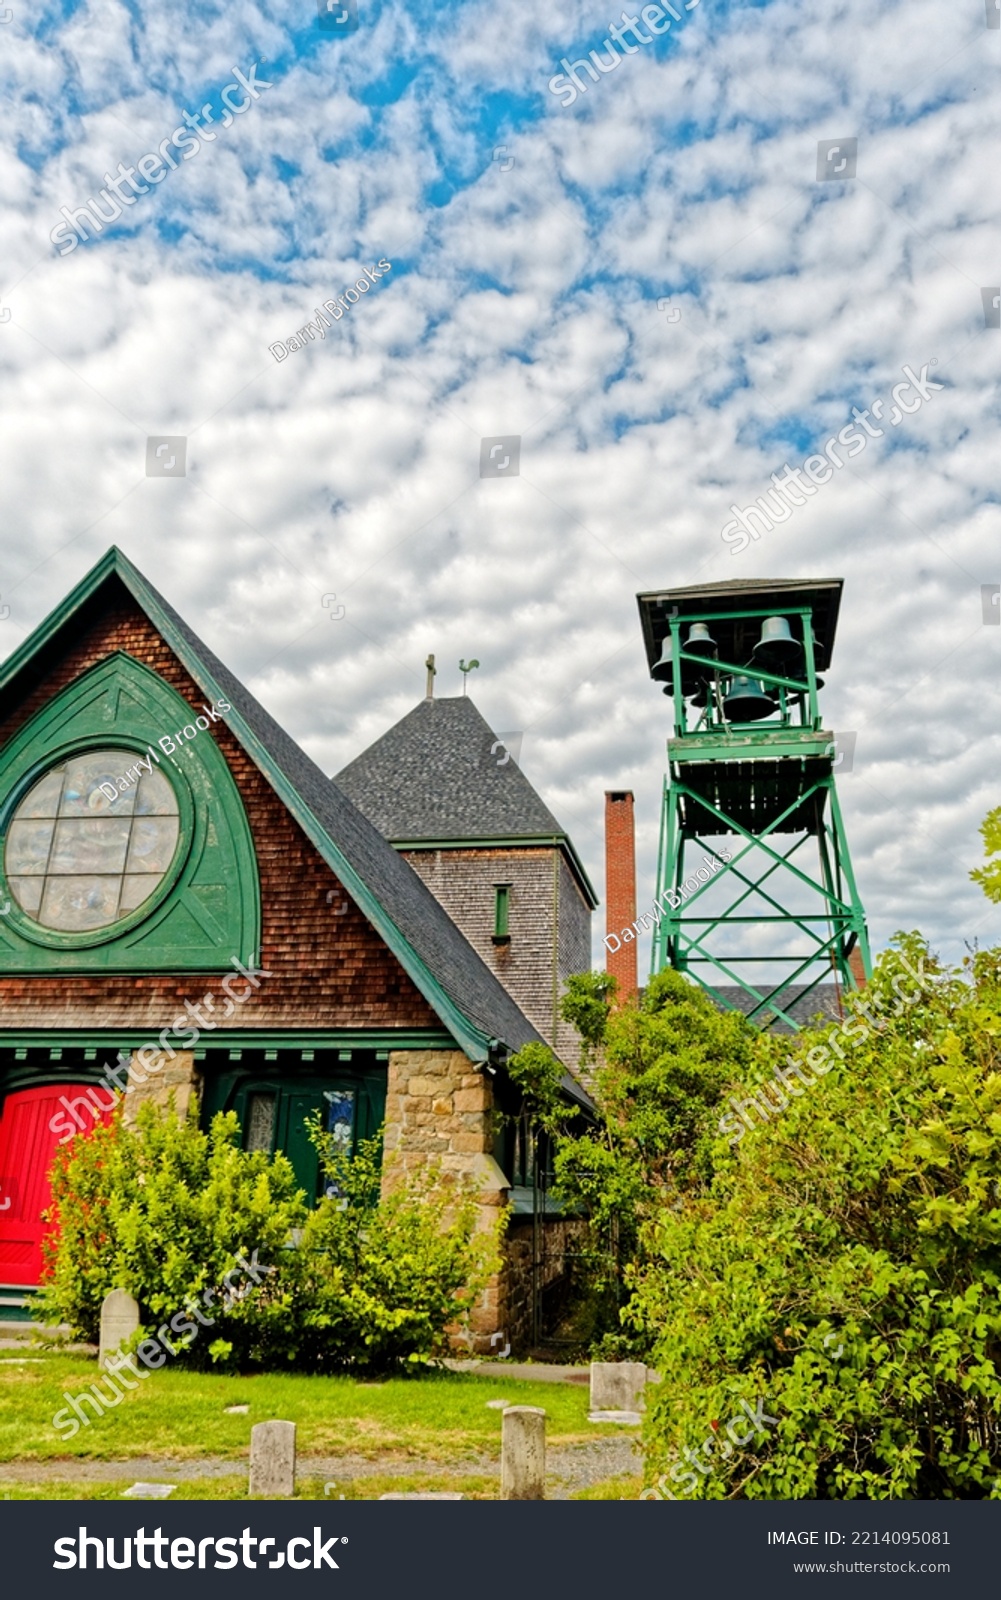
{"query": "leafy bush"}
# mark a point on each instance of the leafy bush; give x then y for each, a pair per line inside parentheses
(844, 1268)
(661, 1068)
(382, 1280)
(167, 1210)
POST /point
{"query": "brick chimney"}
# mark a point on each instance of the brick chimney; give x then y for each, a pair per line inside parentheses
(620, 886)
(855, 962)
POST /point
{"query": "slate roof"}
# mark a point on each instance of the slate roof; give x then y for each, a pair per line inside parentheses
(472, 1004)
(440, 774)
(801, 1002)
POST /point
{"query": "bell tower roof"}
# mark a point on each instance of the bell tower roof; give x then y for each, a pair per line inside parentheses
(769, 595)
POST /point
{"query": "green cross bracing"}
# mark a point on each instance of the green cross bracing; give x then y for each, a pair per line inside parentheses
(749, 759)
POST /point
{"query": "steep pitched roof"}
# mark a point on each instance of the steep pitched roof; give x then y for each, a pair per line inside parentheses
(471, 1003)
(438, 775)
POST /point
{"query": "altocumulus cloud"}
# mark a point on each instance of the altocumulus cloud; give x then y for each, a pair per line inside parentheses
(524, 300)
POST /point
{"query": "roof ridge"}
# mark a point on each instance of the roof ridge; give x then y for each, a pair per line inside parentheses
(458, 985)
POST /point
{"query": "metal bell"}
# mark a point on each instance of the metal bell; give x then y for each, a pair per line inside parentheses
(663, 670)
(776, 649)
(746, 701)
(699, 641)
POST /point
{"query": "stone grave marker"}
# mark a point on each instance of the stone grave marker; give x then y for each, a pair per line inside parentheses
(119, 1321)
(618, 1386)
(272, 1459)
(523, 1453)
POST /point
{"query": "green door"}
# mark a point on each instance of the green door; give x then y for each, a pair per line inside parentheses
(275, 1119)
(294, 1106)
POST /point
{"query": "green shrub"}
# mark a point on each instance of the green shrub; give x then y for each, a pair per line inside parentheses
(844, 1268)
(661, 1069)
(167, 1211)
(382, 1280)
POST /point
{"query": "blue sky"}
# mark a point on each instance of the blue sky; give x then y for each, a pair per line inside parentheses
(530, 246)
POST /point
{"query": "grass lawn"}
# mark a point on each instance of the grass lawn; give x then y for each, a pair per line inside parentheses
(235, 1488)
(439, 1417)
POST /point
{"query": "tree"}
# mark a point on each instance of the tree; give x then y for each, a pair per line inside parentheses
(838, 1279)
(663, 1066)
(989, 875)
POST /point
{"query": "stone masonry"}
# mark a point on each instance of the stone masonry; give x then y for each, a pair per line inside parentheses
(158, 1079)
(438, 1106)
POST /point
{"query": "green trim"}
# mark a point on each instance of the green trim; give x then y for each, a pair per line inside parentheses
(473, 1040)
(502, 907)
(806, 744)
(561, 841)
(206, 907)
(232, 1039)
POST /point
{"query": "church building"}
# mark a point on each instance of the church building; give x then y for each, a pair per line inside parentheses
(188, 904)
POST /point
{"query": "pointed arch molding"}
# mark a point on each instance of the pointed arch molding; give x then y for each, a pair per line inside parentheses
(208, 906)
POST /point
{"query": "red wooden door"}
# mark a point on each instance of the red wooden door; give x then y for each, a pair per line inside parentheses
(27, 1146)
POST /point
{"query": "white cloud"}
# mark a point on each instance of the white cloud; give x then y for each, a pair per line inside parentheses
(528, 303)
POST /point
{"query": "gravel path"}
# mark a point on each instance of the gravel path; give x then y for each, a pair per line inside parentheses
(570, 1467)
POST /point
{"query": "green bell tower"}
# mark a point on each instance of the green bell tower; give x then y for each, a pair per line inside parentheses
(751, 765)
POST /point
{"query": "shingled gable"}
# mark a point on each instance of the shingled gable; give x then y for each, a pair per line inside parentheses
(471, 1004)
(438, 776)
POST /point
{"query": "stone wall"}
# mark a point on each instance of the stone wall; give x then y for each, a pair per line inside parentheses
(438, 1106)
(158, 1078)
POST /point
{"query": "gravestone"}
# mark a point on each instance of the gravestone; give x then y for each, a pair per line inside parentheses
(523, 1453)
(618, 1385)
(119, 1321)
(272, 1459)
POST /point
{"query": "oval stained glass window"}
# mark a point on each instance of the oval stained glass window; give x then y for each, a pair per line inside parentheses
(74, 858)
